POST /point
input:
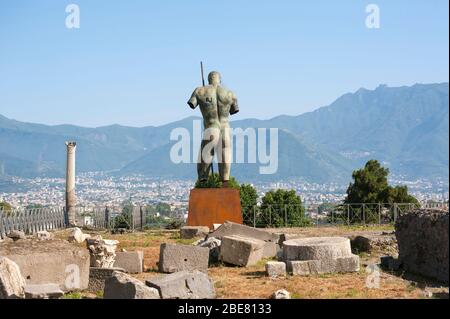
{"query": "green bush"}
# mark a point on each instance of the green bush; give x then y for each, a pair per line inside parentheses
(214, 181)
(122, 221)
(282, 208)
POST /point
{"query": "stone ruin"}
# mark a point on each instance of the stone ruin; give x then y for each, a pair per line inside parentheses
(49, 261)
(423, 243)
(319, 255)
(244, 246)
(422, 239)
(102, 251)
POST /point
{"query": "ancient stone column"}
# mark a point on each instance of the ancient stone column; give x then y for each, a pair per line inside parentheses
(71, 200)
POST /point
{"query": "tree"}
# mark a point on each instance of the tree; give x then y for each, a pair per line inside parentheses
(325, 208)
(4, 206)
(34, 206)
(249, 198)
(163, 209)
(399, 194)
(127, 207)
(371, 186)
(283, 208)
(214, 181)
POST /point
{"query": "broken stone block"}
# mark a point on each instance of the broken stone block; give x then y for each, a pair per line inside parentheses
(285, 237)
(77, 236)
(173, 258)
(280, 255)
(17, 234)
(12, 284)
(275, 269)
(43, 291)
(316, 248)
(241, 251)
(325, 266)
(189, 232)
(229, 229)
(373, 243)
(281, 294)
(390, 263)
(346, 264)
(423, 243)
(50, 261)
(132, 262)
(303, 267)
(184, 285)
(216, 226)
(213, 244)
(98, 276)
(123, 286)
(103, 251)
(44, 235)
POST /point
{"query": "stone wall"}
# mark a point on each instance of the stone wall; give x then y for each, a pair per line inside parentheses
(423, 243)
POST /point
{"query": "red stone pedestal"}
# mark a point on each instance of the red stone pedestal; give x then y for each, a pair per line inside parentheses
(208, 206)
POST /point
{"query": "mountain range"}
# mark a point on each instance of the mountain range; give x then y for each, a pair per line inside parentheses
(406, 128)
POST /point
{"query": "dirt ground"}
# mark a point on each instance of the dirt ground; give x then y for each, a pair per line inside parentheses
(251, 282)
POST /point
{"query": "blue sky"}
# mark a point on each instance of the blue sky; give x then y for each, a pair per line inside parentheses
(137, 62)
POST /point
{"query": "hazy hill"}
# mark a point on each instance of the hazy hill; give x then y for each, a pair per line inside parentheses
(296, 158)
(405, 127)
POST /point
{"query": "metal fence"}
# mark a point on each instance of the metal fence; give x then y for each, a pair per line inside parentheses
(342, 214)
(137, 217)
(140, 217)
(31, 221)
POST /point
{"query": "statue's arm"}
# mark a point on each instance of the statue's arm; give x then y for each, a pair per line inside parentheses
(234, 106)
(193, 100)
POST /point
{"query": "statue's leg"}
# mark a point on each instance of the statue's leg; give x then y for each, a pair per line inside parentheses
(203, 167)
(225, 155)
(209, 144)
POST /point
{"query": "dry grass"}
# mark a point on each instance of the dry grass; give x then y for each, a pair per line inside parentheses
(334, 231)
(251, 282)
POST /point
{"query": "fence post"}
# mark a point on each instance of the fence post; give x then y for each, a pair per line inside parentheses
(364, 213)
(107, 215)
(66, 217)
(348, 214)
(285, 216)
(379, 213)
(317, 217)
(254, 216)
(270, 217)
(395, 213)
(141, 212)
(132, 219)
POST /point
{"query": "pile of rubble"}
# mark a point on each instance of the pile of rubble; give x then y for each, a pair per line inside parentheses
(183, 268)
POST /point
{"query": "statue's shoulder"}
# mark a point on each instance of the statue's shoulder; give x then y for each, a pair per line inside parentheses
(227, 92)
(202, 90)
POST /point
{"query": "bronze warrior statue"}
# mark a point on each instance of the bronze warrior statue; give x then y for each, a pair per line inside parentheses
(216, 104)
